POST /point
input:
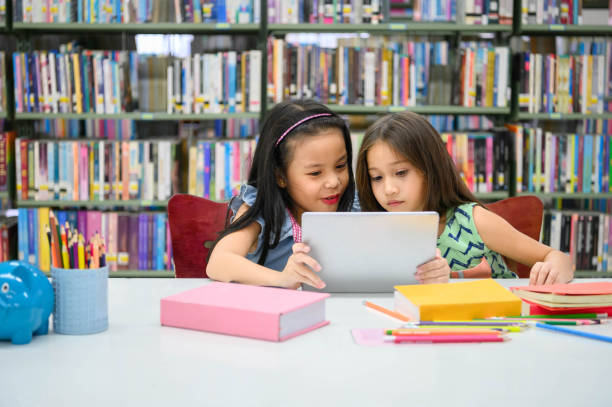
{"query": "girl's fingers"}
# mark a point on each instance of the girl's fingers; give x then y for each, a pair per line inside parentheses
(552, 277)
(533, 274)
(308, 277)
(306, 259)
(300, 248)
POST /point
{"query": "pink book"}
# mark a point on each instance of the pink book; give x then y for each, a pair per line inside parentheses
(111, 251)
(94, 224)
(273, 314)
(84, 172)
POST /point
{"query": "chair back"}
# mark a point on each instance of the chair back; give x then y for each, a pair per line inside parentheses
(195, 223)
(524, 213)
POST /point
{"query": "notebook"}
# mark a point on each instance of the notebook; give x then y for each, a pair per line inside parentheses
(273, 314)
(574, 295)
(456, 301)
(369, 251)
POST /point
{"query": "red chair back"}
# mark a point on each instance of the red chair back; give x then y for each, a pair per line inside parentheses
(524, 213)
(194, 224)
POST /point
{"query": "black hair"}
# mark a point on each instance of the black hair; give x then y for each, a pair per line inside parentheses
(271, 161)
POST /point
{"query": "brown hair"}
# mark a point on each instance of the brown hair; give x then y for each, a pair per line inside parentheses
(414, 138)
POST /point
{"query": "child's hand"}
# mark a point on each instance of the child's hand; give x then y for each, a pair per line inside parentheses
(297, 272)
(555, 269)
(434, 271)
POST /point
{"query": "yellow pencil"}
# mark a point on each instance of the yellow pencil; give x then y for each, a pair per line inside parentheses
(81, 252)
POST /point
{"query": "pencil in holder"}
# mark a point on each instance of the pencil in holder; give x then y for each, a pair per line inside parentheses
(81, 300)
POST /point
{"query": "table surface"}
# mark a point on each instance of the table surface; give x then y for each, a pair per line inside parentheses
(139, 362)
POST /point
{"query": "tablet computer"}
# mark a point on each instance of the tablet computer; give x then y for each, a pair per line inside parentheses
(369, 251)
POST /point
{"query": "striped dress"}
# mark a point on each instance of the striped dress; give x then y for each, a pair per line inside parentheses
(463, 248)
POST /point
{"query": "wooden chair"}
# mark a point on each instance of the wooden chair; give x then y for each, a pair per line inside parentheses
(524, 213)
(194, 225)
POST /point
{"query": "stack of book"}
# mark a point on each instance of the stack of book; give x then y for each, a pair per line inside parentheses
(572, 82)
(593, 297)
(72, 80)
(216, 169)
(96, 170)
(386, 71)
(326, 11)
(548, 162)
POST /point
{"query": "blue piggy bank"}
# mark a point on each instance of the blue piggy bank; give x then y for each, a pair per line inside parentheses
(26, 301)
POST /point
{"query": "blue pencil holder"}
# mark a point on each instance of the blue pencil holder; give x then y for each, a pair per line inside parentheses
(81, 300)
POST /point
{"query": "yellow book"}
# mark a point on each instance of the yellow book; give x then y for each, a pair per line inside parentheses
(78, 94)
(456, 301)
(44, 252)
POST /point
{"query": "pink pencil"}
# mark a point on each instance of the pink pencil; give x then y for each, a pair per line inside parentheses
(445, 338)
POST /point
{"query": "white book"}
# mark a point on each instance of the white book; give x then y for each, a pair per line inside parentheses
(412, 98)
(134, 170)
(176, 106)
(217, 83)
(197, 78)
(51, 185)
(502, 87)
(98, 83)
(188, 91)
(165, 174)
(62, 82)
(101, 170)
(601, 66)
(255, 81)
(369, 78)
(548, 147)
(537, 183)
(169, 84)
(148, 172)
(538, 83)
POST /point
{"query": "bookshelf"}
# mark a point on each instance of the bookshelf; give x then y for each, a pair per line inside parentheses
(142, 203)
(137, 28)
(497, 33)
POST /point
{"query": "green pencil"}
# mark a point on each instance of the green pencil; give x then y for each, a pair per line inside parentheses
(565, 316)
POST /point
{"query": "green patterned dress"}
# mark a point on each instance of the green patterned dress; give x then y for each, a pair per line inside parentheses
(463, 248)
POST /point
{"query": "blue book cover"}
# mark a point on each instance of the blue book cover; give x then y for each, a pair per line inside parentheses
(17, 77)
(79, 11)
(212, 192)
(207, 170)
(161, 241)
(232, 82)
(228, 165)
(23, 250)
(85, 82)
(27, 107)
(61, 217)
(601, 163)
(72, 218)
(587, 171)
(33, 235)
(221, 11)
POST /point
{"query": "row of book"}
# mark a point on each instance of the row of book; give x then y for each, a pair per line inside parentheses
(134, 241)
(217, 169)
(326, 11)
(96, 170)
(548, 162)
(481, 158)
(137, 11)
(215, 83)
(460, 11)
(389, 71)
(84, 81)
(578, 82)
(586, 236)
(554, 12)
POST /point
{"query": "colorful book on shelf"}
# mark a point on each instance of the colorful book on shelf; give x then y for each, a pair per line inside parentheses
(575, 295)
(273, 314)
(456, 301)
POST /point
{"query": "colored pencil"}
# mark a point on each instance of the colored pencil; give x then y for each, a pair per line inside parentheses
(565, 316)
(575, 332)
(436, 332)
(548, 321)
(466, 323)
(446, 339)
(386, 311)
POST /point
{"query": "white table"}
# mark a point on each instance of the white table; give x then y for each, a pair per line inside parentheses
(137, 362)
